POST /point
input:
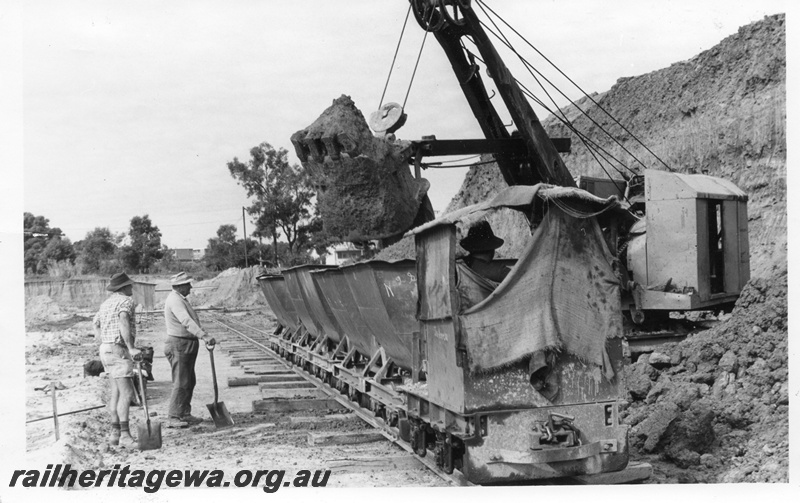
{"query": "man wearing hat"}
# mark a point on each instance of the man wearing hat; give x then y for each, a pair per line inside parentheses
(481, 244)
(183, 336)
(115, 328)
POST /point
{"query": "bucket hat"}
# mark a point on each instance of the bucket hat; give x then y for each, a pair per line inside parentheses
(118, 281)
(480, 238)
(180, 279)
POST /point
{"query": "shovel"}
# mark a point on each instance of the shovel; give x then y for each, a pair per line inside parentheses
(219, 413)
(150, 433)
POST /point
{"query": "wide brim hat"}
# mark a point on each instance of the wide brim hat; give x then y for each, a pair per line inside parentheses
(480, 238)
(180, 279)
(118, 281)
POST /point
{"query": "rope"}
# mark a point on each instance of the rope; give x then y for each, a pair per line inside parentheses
(414, 73)
(577, 86)
(397, 49)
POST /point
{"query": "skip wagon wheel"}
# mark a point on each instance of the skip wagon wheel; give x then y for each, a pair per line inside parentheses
(418, 438)
(447, 454)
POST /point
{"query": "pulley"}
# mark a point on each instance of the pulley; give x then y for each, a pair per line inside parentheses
(388, 118)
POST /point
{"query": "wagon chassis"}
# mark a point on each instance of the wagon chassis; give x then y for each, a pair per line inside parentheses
(435, 435)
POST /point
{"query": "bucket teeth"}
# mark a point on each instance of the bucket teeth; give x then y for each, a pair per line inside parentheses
(331, 148)
(347, 144)
(316, 149)
(299, 146)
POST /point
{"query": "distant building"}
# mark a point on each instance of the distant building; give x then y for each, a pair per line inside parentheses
(188, 254)
(344, 253)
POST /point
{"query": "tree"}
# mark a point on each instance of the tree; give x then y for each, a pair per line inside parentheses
(58, 250)
(225, 251)
(97, 247)
(219, 252)
(282, 194)
(145, 245)
(43, 243)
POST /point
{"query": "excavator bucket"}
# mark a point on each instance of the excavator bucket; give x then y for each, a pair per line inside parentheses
(365, 189)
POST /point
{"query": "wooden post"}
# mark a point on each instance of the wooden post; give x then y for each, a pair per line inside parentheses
(55, 407)
(244, 231)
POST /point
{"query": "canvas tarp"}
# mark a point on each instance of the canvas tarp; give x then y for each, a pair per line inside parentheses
(561, 295)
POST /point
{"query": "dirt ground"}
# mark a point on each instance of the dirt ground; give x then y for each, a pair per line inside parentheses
(257, 442)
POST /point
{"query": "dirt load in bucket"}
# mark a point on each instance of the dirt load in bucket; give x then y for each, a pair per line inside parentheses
(364, 186)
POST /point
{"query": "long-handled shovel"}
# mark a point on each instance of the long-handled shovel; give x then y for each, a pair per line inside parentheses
(150, 433)
(219, 413)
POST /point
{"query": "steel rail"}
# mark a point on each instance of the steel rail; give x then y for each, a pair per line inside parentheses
(390, 433)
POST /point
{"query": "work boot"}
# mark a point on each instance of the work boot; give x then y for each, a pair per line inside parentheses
(113, 437)
(127, 441)
(188, 418)
(176, 422)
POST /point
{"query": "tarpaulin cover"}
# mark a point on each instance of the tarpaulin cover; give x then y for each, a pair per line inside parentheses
(574, 201)
(561, 295)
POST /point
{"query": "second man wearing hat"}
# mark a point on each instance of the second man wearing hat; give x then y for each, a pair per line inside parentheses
(481, 244)
(183, 342)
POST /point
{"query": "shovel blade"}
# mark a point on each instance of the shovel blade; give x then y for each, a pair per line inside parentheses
(219, 413)
(149, 436)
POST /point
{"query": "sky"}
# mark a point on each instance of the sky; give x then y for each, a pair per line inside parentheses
(134, 108)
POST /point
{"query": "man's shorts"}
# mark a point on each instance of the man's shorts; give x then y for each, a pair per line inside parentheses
(116, 359)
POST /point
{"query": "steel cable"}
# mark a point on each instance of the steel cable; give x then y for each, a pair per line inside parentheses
(577, 86)
(394, 59)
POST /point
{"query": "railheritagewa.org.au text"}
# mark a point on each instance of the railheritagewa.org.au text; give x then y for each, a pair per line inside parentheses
(152, 481)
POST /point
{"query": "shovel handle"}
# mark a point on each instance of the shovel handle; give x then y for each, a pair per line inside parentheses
(143, 392)
(213, 373)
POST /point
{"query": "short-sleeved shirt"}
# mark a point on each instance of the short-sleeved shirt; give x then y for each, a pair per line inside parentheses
(107, 318)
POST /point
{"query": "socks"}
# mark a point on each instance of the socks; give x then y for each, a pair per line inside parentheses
(123, 427)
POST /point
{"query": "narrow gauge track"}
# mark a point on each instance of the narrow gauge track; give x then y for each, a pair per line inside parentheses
(260, 339)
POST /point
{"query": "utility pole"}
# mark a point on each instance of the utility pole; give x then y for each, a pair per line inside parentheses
(244, 230)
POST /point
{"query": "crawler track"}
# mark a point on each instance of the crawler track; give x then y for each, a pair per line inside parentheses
(259, 339)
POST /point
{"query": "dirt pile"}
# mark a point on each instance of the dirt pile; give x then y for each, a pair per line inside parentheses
(718, 402)
(232, 288)
(42, 309)
(364, 187)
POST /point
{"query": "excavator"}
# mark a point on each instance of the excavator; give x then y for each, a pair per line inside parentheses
(682, 244)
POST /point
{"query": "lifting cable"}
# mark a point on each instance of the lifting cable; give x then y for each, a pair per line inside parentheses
(578, 87)
(569, 126)
(397, 49)
(563, 114)
(419, 55)
(530, 66)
